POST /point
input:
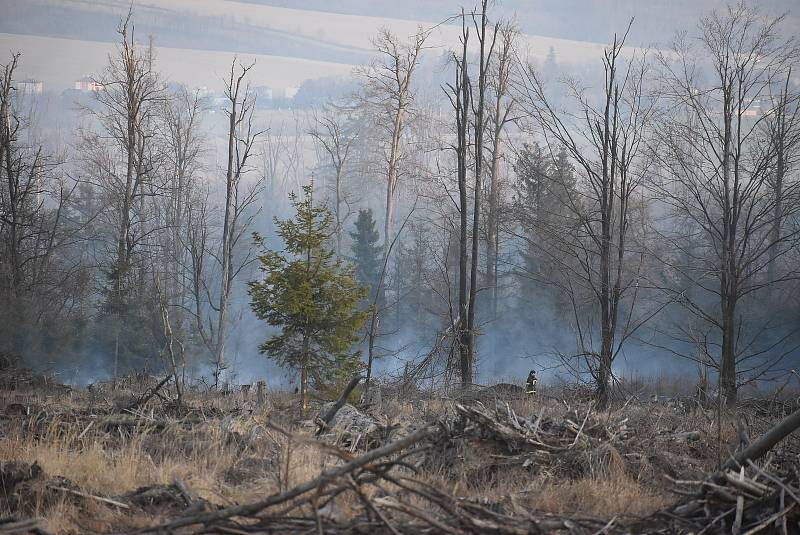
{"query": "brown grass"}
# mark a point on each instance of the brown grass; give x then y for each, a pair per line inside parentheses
(598, 497)
(234, 457)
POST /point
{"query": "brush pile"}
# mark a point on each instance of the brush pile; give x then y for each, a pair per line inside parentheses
(390, 498)
(747, 501)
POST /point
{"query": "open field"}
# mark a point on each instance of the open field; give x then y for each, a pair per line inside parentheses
(108, 459)
(57, 62)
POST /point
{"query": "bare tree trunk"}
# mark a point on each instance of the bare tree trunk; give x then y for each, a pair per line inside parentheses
(239, 116)
(729, 165)
(128, 105)
(479, 130)
(389, 82)
(779, 131)
(222, 320)
(461, 100)
(600, 214)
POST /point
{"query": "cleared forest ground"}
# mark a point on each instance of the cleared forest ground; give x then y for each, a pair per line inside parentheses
(100, 460)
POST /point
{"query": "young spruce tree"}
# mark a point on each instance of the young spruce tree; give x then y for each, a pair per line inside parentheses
(311, 295)
(366, 251)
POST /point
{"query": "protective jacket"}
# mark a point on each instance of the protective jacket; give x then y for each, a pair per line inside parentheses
(530, 384)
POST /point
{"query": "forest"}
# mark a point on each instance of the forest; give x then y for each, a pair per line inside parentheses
(628, 230)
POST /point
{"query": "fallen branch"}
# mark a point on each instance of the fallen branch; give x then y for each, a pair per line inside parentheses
(328, 416)
(765, 442)
(13, 526)
(323, 479)
(149, 395)
(90, 496)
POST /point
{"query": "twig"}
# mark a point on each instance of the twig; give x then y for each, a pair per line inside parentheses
(90, 496)
(577, 436)
(86, 430)
(765, 524)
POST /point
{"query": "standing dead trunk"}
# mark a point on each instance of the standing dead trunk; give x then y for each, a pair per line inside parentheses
(388, 88)
(479, 130)
(460, 99)
(240, 141)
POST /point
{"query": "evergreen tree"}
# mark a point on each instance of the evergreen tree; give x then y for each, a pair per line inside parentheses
(311, 295)
(366, 251)
(545, 195)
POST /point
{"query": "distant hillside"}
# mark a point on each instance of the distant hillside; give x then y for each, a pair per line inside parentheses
(173, 24)
(58, 62)
(190, 32)
(582, 20)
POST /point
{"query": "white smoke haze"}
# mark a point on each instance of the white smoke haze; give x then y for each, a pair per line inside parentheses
(310, 63)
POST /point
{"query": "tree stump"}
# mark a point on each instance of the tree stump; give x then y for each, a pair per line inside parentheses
(261, 392)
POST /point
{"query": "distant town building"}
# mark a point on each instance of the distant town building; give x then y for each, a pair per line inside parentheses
(30, 87)
(290, 92)
(753, 110)
(88, 84)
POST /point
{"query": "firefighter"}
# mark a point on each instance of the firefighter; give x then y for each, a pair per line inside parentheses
(530, 384)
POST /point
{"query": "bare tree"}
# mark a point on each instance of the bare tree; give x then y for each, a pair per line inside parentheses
(486, 45)
(183, 146)
(783, 129)
(469, 105)
(459, 96)
(241, 141)
(387, 84)
(39, 278)
(500, 116)
(592, 235)
(336, 134)
(119, 160)
(725, 172)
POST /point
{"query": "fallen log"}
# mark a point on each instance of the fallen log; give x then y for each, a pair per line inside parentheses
(765, 442)
(328, 416)
(324, 478)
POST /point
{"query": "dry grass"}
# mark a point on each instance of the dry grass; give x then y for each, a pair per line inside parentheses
(231, 456)
(599, 497)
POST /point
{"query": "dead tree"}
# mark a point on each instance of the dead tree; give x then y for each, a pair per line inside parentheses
(593, 229)
(241, 142)
(486, 45)
(183, 146)
(387, 84)
(469, 104)
(460, 99)
(206, 250)
(389, 97)
(720, 167)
